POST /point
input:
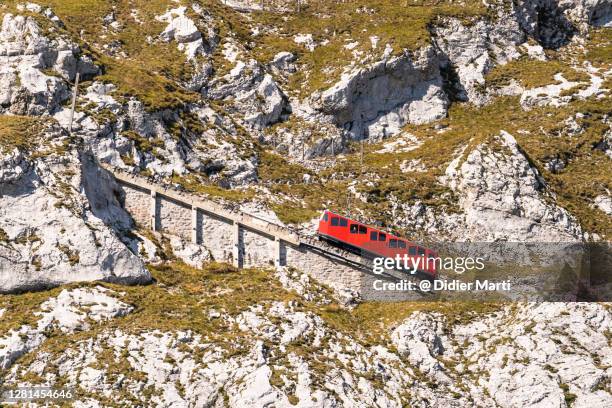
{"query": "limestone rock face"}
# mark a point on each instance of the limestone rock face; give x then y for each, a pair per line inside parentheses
(526, 367)
(376, 101)
(254, 94)
(471, 51)
(12, 166)
(185, 32)
(68, 312)
(283, 62)
(24, 88)
(524, 354)
(418, 340)
(503, 197)
(185, 369)
(604, 203)
(59, 218)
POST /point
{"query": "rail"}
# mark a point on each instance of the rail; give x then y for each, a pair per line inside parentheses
(244, 219)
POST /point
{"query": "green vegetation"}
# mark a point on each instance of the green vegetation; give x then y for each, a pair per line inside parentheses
(146, 70)
(531, 73)
(569, 397)
(402, 24)
(143, 144)
(3, 236)
(200, 185)
(20, 308)
(600, 46)
(73, 255)
(19, 132)
(302, 200)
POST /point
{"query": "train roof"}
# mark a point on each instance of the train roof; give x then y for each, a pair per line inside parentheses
(369, 226)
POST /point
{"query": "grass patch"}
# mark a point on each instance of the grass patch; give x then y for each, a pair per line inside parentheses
(200, 185)
(600, 46)
(531, 73)
(402, 24)
(21, 132)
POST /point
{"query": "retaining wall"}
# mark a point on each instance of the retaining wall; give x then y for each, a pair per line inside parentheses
(240, 238)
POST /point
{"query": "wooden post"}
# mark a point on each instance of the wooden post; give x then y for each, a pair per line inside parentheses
(74, 98)
(153, 210)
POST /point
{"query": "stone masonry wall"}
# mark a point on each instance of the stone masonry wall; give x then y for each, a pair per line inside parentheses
(323, 269)
(174, 217)
(258, 249)
(217, 235)
(137, 202)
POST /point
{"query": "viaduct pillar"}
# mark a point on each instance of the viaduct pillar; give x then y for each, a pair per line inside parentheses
(236, 249)
(194, 225)
(153, 210)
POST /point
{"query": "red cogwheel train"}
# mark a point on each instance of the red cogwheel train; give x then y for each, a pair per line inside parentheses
(371, 242)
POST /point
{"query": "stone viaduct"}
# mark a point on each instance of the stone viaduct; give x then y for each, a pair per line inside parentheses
(238, 237)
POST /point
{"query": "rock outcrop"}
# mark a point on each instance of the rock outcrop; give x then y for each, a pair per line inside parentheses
(284, 353)
(60, 222)
(527, 365)
(70, 311)
(376, 101)
(504, 198)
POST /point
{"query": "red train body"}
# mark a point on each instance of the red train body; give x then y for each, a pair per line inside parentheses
(372, 242)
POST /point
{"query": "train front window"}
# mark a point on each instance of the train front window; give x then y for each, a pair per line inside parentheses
(373, 236)
(325, 218)
(412, 250)
(353, 229)
(393, 243)
(343, 222)
(401, 244)
(334, 221)
(382, 237)
(363, 230)
(421, 251)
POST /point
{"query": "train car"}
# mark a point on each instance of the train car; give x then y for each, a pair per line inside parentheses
(372, 242)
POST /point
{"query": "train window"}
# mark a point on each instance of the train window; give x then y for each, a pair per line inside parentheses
(334, 221)
(401, 244)
(373, 236)
(363, 230)
(431, 255)
(382, 237)
(412, 250)
(325, 217)
(421, 251)
(353, 229)
(343, 222)
(393, 243)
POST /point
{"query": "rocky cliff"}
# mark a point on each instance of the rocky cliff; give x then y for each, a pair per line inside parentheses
(440, 120)
(257, 99)
(256, 342)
